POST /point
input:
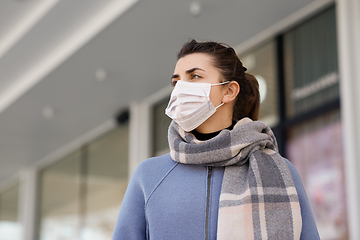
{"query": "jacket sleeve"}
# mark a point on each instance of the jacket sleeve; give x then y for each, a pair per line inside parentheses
(309, 230)
(131, 223)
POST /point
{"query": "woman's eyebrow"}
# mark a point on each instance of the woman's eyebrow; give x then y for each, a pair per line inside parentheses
(193, 70)
(187, 72)
(175, 76)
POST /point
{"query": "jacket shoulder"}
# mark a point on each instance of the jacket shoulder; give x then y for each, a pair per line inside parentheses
(156, 164)
(149, 173)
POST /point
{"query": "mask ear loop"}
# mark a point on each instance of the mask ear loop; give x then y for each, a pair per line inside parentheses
(222, 83)
(216, 84)
(219, 106)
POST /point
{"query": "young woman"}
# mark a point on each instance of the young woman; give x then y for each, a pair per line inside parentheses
(223, 178)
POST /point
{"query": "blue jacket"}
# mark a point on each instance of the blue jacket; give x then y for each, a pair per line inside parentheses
(169, 200)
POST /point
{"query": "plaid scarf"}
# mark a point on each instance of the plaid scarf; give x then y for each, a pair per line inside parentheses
(258, 197)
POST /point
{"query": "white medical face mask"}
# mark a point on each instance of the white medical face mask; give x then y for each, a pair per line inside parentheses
(190, 104)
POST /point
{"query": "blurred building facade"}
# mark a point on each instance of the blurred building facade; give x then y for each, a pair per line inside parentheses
(83, 100)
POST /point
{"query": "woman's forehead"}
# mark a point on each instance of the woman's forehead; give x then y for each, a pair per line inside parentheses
(194, 60)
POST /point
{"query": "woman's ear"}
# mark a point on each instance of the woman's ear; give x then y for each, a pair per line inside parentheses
(231, 91)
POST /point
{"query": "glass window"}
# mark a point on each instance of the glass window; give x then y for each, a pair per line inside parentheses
(80, 195)
(311, 70)
(106, 182)
(316, 150)
(59, 199)
(161, 124)
(10, 228)
(261, 63)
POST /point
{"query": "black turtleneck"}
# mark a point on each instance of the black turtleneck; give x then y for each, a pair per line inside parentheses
(207, 136)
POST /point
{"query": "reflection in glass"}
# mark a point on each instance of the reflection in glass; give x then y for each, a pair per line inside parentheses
(106, 182)
(311, 69)
(161, 124)
(10, 228)
(261, 63)
(315, 148)
(80, 195)
(60, 194)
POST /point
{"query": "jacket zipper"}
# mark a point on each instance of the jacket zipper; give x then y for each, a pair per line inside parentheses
(208, 203)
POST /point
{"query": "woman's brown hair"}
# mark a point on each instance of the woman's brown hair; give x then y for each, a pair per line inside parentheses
(225, 59)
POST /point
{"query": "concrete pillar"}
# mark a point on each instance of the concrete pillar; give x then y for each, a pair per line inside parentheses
(139, 138)
(348, 27)
(27, 203)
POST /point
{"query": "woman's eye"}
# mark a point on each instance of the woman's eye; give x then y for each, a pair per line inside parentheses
(174, 83)
(195, 76)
